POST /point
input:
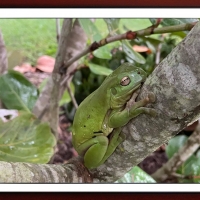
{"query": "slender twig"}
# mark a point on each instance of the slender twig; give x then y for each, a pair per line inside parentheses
(71, 95)
(130, 35)
(158, 21)
(58, 29)
(170, 168)
(158, 51)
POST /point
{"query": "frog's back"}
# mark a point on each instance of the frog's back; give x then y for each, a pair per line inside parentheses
(89, 117)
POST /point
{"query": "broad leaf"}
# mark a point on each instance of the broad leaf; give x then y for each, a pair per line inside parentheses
(192, 169)
(113, 25)
(90, 29)
(136, 175)
(131, 53)
(25, 139)
(99, 70)
(16, 92)
(133, 24)
(196, 170)
(183, 169)
(198, 154)
(175, 144)
(66, 98)
(102, 27)
(103, 53)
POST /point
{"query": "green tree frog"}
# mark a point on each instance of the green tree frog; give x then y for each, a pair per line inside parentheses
(99, 119)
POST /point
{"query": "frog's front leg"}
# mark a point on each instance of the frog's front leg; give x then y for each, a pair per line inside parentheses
(122, 117)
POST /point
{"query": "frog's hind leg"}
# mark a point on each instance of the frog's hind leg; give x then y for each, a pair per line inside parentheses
(116, 138)
(100, 148)
(96, 151)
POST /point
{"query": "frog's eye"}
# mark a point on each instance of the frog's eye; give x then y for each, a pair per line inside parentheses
(125, 81)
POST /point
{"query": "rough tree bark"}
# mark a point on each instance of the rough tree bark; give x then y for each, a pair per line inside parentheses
(176, 84)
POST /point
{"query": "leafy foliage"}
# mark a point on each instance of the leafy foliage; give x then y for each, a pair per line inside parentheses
(25, 139)
(175, 144)
(16, 92)
(99, 70)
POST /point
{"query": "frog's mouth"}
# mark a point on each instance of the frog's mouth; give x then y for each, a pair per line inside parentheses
(121, 100)
(135, 88)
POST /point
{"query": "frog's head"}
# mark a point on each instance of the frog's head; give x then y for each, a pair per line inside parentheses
(126, 79)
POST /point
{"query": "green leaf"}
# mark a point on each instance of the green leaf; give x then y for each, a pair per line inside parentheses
(103, 52)
(180, 34)
(175, 144)
(16, 92)
(133, 24)
(198, 154)
(66, 98)
(174, 21)
(113, 25)
(102, 27)
(99, 70)
(195, 168)
(25, 139)
(186, 168)
(131, 53)
(192, 169)
(90, 29)
(136, 175)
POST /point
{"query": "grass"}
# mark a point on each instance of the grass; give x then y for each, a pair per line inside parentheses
(27, 39)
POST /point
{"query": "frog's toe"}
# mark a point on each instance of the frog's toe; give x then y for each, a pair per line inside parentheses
(152, 112)
(121, 137)
(152, 97)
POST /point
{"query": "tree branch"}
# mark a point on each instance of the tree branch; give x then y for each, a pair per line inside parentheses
(43, 173)
(130, 35)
